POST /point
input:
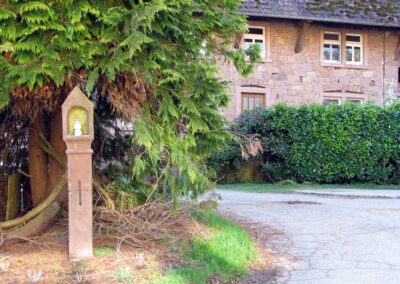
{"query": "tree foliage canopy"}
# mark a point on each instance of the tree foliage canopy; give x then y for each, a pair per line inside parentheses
(154, 61)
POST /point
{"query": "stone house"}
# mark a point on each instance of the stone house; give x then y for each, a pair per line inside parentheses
(316, 55)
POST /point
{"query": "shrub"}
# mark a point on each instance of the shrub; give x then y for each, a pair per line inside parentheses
(322, 144)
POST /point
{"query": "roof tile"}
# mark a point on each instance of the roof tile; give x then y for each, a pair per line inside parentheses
(369, 12)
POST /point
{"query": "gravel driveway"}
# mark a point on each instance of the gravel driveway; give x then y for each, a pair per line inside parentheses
(333, 240)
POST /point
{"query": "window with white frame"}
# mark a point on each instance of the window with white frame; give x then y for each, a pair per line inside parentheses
(331, 49)
(255, 35)
(354, 50)
(355, 101)
(203, 46)
(329, 101)
(338, 100)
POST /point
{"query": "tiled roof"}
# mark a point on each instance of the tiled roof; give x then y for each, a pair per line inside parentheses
(369, 12)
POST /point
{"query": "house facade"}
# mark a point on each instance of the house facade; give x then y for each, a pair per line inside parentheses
(315, 57)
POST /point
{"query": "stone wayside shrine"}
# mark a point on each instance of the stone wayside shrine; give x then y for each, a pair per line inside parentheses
(78, 134)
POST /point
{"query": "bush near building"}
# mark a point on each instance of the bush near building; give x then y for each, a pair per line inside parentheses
(347, 143)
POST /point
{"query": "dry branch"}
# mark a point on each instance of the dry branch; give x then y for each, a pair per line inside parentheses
(149, 222)
(33, 227)
(37, 210)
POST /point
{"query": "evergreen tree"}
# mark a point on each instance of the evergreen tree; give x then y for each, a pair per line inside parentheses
(153, 61)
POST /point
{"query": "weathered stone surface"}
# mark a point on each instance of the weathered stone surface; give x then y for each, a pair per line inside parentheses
(303, 75)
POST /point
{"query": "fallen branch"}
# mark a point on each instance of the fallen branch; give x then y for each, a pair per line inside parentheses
(45, 145)
(34, 226)
(142, 224)
(47, 148)
(37, 210)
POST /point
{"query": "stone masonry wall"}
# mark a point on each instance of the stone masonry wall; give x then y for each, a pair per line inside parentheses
(302, 78)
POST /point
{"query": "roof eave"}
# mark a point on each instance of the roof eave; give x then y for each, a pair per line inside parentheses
(341, 21)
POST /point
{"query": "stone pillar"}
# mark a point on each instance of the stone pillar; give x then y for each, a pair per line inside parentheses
(77, 112)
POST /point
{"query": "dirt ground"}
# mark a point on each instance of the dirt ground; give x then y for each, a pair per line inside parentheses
(45, 260)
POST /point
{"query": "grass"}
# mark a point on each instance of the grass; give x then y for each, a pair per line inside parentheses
(279, 188)
(225, 256)
(103, 251)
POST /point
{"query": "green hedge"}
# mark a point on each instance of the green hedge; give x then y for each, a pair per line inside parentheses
(323, 144)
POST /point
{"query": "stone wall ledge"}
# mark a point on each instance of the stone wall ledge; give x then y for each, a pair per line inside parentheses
(345, 66)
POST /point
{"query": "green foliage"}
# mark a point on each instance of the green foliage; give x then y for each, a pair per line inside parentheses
(323, 144)
(103, 251)
(172, 47)
(226, 254)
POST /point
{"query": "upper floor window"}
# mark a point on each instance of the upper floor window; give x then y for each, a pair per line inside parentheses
(332, 53)
(354, 49)
(255, 35)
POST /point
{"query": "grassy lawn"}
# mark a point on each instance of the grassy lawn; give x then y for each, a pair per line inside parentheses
(224, 256)
(279, 188)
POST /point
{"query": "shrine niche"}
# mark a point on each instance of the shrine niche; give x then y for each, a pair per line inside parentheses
(78, 134)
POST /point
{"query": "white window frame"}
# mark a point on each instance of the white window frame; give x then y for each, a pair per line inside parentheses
(332, 42)
(354, 100)
(203, 46)
(255, 37)
(332, 98)
(353, 44)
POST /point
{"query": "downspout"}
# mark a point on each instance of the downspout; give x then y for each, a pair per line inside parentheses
(384, 68)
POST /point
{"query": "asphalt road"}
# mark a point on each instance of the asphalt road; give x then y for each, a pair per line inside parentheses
(329, 239)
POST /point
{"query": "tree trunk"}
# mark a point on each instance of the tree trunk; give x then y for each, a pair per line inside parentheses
(38, 167)
(14, 184)
(56, 171)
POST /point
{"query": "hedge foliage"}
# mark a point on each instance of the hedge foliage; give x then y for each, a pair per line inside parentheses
(322, 144)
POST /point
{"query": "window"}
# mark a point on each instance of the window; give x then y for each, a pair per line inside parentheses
(255, 35)
(354, 49)
(329, 101)
(202, 50)
(355, 101)
(252, 101)
(338, 100)
(332, 53)
(398, 75)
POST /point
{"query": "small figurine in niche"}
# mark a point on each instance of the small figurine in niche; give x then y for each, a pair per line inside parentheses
(77, 128)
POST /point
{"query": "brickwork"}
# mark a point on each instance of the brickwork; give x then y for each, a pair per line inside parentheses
(303, 78)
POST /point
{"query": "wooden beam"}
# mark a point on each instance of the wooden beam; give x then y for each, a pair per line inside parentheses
(397, 51)
(301, 37)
